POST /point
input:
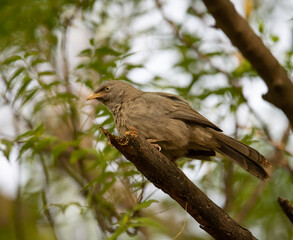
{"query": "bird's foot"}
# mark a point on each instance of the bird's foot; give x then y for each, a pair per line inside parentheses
(157, 146)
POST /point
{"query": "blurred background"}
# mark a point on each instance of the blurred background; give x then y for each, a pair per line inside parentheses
(60, 179)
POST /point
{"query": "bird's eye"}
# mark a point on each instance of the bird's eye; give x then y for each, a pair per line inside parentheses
(107, 89)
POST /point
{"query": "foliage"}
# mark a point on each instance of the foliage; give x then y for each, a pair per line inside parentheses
(66, 166)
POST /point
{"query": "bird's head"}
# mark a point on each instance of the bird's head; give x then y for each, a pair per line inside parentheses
(115, 92)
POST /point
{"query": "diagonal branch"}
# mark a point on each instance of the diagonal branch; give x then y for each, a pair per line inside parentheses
(237, 29)
(165, 175)
(286, 207)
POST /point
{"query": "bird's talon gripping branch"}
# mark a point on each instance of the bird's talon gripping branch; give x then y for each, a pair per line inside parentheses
(158, 147)
(153, 142)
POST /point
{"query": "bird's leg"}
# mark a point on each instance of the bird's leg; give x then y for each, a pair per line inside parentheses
(157, 146)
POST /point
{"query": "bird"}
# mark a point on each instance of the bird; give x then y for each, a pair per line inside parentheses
(177, 130)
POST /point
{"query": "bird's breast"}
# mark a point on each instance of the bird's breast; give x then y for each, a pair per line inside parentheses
(120, 119)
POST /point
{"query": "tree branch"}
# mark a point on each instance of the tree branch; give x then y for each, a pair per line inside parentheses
(165, 175)
(280, 87)
(286, 207)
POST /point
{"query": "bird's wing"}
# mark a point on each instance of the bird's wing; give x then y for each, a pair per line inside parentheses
(175, 107)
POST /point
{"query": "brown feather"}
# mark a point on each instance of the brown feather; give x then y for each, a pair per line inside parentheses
(243, 155)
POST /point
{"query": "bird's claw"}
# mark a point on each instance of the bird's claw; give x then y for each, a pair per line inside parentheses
(158, 147)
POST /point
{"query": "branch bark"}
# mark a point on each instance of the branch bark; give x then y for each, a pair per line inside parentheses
(237, 29)
(165, 175)
(286, 207)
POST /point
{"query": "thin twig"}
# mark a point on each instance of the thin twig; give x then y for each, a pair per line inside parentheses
(17, 218)
(44, 198)
(64, 41)
(184, 224)
(250, 203)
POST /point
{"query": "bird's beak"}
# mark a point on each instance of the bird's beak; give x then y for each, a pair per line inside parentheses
(95, 96)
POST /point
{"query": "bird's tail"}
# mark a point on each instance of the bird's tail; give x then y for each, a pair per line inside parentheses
(243, 155)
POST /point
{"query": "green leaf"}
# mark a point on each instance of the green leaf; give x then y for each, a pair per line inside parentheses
(37, 132)
(133, 66)
(249, 138)
(7, 147)
(30, 142)
(14, 75)
(27, 145)
(77, 154)
(11, 59)
(107, 185)
(89, 84)
(212, 54)
(39, 105)
(144, 205)
(30, 94)
(261, 27)
(24, 135)
(86, 53)
(124, 56)
(37, 61)
(123, 222)
(31, 53)
(146, 222)
(25, 82)
(242, 69)
(43, 143)
(45, 73)
(275, 38)
(60, 148)
(106, 51)
(66, 95)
